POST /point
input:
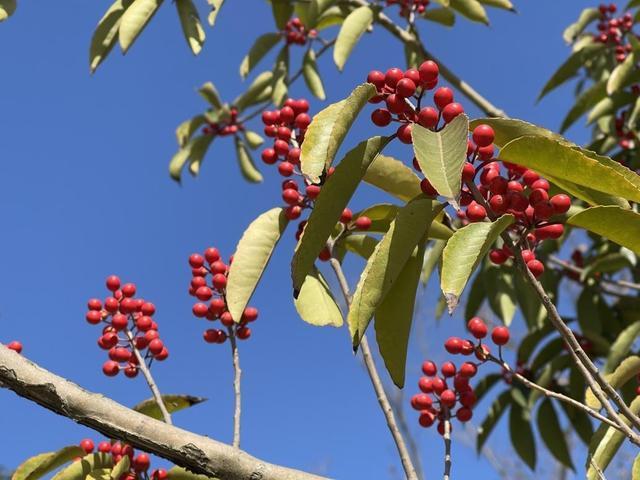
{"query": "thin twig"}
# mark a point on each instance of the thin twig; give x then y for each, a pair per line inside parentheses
(381, 395)
(575, 269)
(237, 374)
(155, 391)
(447, 443)
(398, 407)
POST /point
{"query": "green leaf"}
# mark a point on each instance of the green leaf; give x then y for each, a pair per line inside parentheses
(476, 296)
(394, 177)
(85, 466)
(497, 408)
(442, 155)
(621, 74)
(7, 8)
(635, 469)
(280, 77)
(499, 289)
(552, 434)
(247, 167)
(587, 16)
(579, 420)
(311, 75)
(508, 129)
(353, 27)
(179, 473)
(263, 44)
(381, 216)
(464, 251)
(387, 262)
(186, 129)
(251, 258)
(571, 66)
(315, 302)
(587, 311)
(547, 353)
(621, 347)
(472, 9)
(522, 435)
(282, 11)
(209, 92)
(134, 20)
(617, 224)
(628, 368)
(193, 151)
(441, 15)
(121, 468)
(334, 197)
(328, 129)
(216, 5)
(259, 91)
(174, 403)
(586, 100)
(530, 305)
(253, 139)
(394, 316)
(483, 387)
(38, 466)
(504, 4)
(609, 105)
(563, 161)
(191, 25)
(362, 245)
(432, 256)
(104, 36)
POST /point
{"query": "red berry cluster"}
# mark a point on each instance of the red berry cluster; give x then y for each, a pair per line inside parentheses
(613, 30)
(408, 6)
(296, 33)
(15, 346)
(140, 463)
(212, 290)
(124, 314)
(626, 136)
(438, 400)
(399, 90)
(224, 128)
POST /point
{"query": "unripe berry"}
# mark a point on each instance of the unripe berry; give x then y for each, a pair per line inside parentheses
(483, 135)
(429, 368)
(500, 335)
(477, 328)
(443, 97)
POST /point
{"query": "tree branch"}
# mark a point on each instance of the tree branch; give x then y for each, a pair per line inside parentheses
(575, 269)
(370, 365)
(447, 443)
(195, 452)
(237, 374)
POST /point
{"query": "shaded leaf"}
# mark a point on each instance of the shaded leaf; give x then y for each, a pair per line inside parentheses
(179, 473)
(282, 11)
(472, 9)
(609, 105)
(484, 386)
(315, 303)
(193, 151)
(263, 44)
(191, 25)
(552, 434)
(587, 16)
(394, 177)
(259, 91)
(85, 466)
(586, 100)
(622, 346)
(312, 76)
(247, 167)
(496, 410)
(174, 403)
(522, 435)
(280, 77)
(499, 289)
(134, 20)
(621, 74)
(476, 296)
(441, 15)
(571, 66)
(617, 224)
(508, 129)
(362, 245)
(432, 256)
(353, 27)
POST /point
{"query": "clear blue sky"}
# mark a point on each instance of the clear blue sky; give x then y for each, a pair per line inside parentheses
(84, 192)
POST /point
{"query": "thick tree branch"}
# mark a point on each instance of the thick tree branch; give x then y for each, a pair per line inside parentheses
(195, 452)
(237, 373)
(370, 365)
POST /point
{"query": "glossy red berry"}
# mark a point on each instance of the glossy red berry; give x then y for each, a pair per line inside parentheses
(427, 188)
(477, 327)
(363, 223)
(94, 317)
(451, 111)
(346, 215)
(497, 256)
(87, 445)
(377, 78)
(476, 212)
(425, 384)
(536, 267)
(110, 368)
(448, 398)
(468, 369)
(393, 76)
(129, 290)
(428, 117)
(250, 314)
(113, 283)
(483, 135)
(448, 369)
(429, 368)
(404, 133)
(421, 401)
(141, 462)
(104, 447)
(405, 87)
(428, 71)
(453, 345)
(291, 196)
(426, 419)
(443, 97)
(560, 203)
(464, 414)
(269, 156)
(381, 117)
(156, 346)
(500, 335)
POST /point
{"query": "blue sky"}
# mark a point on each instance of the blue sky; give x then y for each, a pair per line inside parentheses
(84, 192)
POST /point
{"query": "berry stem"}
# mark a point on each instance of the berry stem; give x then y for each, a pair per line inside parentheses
(372, 370)
(150, 381)
(447, 442)
(237, 374)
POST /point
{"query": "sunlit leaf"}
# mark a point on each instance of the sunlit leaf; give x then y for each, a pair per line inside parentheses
(394, 177)
(353, 27)
(472, 9)
(315, 302)
(311, 75)
(135, 19)
(209, 92)
(263, 44)
(617, 224)
(85, 466)
(571, 66)
(628, 368)
(174, 403)
(259, 91)
(7, 8)
(105, 35)
(281, 77)
(441, 15)
(191, 25)
(216, 5)
(38, 466)
(247, 167)
(194, 151)
(621, 73)
(587, 16)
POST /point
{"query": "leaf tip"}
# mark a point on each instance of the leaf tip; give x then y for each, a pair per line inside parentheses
(452, 302)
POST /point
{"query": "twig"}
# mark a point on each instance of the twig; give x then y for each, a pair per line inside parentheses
(597, 469)
(575, 269)
(398, 407)
(155, 391)
(447, 443)
(370, 365)
(237, 373)
(195, 452)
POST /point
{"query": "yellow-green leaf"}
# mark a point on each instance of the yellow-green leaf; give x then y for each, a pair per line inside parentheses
(259, 91)
(104, 36)
(179, 473)
(472, 9)
(615, 223)
(186, 129)
(394, 316)
(216, 5)
(281, 77)
(193, 151)
(362, 245)
(442, 155)
(508, 129)
(328, 129)
(85, 466)
(621, 73)
(621, 347)
(282, 11)
(628, 368)
(253, 139)
(311, 75)
(191, 25)
(464, 251)
(247, 167)
(263, 44)
(441, 15)
(40, 465)
(135, 19)
(388, 259)
(635, 469)
(504, 4)
(315, 303)
(174, 403)
(334, 197)
(609, 105)
(209, 92)
(7, 8)
(571, 66)
(353, 27)
(586, 100)
(251, 258)
(587, 16)
(121, 468)
(394, 177)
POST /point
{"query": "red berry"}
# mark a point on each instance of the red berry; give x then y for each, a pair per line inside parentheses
(312, 191)
(286, 115)
(438, 385)
(464, 414)
(110, 368)
(476, 213)
(94, 317)
(250, 314)
(428, 71)
(498, 204)
(448, 398)
(156, 346)
(94, 304)
(144, 323)
(477, 327)
(451, 111)
(396, 104)
(541, 183)
(291, 196)
(443, 97)
(363, 223)
(15, 346)
(243, 333)
(427, 188)
(269, 156)
(293, 212)
(468, 369)
(426, 419)
(468, 399)
(129, 290)
(404, 133)
(381, 117)
(87, 445)
(536, 267)
(141, 462)
(104, 447)
(119, 321)
(453, 345)
(113, 283)
(226, 319)
(405, 87)
(429, 368)
(211, 335)
(393, 76)
(219, 281)
(428, 117)
(285, 169)
(425, 384)
(346, 216)
(421, 401)
(483, 135)
(560, 203)
(500, 335)
(377, 78)
(468, 172)
(554, 230)
(448, 369)
(302, 121)
(528, 255)
(498, 257)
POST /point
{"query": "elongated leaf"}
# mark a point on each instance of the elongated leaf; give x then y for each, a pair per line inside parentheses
(609, 105)
(476, 296)
(587, 16)
(628, 368)
(280, 77)
(334, 197)
(508, 129)
(381, 216)
(587, 311)
(565, 162)
(193, 151)
(522, 435)
(263, 44)
(621, 74)
(105, 34)
(571, 66)
(394, 316)
(191, 25)
(134, 20)
(498, 407)
(247, 167)
(179, 473)
(353, 27)
(85, 466)
(579, 420)
(216, 5)
(530, 305)
(441, 155)
(464, 251)
(209, 92)
(552, 434)
(586, 100)
(315, 303)
(394, 177)
(622, 346)
(387, 262)
(485, 385)
(251, 258)
(259, 91)
(432, 256)
(38, 466)
(174, 403)
(252, 139)
(592, 197)
(186, 129)
(121, 467)
(615, 223)
(499, 289)
(472, 9)
(312, 76)
(504, 4)
(441, 15)
(7, 8)
(282, 11)
(635, 469)
(362, 245)
(328, 129)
